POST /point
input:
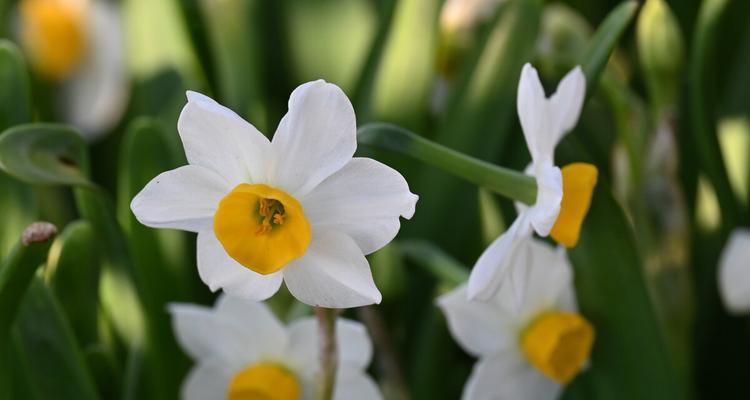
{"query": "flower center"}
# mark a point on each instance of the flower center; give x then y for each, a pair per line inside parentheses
(261, 227)
(54, 34)
(558, 344)
(264, 381)
(579, 180)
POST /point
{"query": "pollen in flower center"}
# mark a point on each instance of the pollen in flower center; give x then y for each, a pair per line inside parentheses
(261, 227)
(53, 33)
(579, 180)
(558, 344)
(264, 381)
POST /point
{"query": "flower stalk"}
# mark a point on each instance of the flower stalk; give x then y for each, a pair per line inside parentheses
(328, 352)
(504, 181)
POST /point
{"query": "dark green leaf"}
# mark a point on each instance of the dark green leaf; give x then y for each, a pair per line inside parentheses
(15, 98)
(630, 359)
(604, 41)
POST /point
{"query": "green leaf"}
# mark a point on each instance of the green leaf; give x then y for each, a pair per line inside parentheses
(16, 199)
(159, 256)
(44, 154)
(72, 272)
(18, 270)
(435, 261)
(237, 42)
(55, 365)
(15, 98)
(604, 41)
(630, 359)
(701, 111)
(406, 71)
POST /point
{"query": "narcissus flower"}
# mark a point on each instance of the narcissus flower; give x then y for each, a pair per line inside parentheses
(734, 272)
(242, 351)
(80, 45)
(525, 352)
(298, 208)
(563, 196)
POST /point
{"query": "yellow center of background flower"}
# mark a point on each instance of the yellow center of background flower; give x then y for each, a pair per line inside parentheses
(262, 228)
(264, 381)
(54, 35)
(558, 344)
(579, 180)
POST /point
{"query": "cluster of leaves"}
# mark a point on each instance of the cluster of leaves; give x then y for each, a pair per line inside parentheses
(92, 322)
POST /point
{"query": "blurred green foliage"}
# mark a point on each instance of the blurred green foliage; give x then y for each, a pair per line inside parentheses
(667, 81)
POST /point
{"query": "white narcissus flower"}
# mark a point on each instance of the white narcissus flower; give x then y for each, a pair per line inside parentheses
(734, 272)
(525, 352)
(563, 197)
(242, 351)
(298, 208)
(79, 44)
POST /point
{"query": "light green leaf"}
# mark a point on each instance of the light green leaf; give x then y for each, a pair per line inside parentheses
(44, 154)
(55, 365)
(72, 273)
(18, 270)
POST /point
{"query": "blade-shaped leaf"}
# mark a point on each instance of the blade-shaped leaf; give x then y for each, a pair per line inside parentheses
(73, 274)
(630, 359)
(55, 366)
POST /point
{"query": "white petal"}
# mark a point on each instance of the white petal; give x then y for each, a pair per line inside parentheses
(260, 325)
(364, 200)
(353, 384)
(545, 121)
(216, 138)
(218, 270)
(567, 101)
(481, 328)
(205, 336)
(316, 138)
(333, 273)
(543, 214)
(734, 272)
(533, 112)
(209, 380)
(507, 376)
(354, 345)
(96, 96)
(492, 267)
(547, 278)
(184, 198)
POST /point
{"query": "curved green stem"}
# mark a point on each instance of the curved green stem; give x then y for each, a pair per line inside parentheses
(507, 182)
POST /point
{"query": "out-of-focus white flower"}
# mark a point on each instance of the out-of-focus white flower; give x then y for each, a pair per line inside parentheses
(79, 44)
(563, 197)
(529, 351)
(298, 208)
(734, 272)
(242, 351)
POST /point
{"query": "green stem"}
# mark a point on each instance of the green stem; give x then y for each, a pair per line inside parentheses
(504, 181)
(18, 270)
(328, 352)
